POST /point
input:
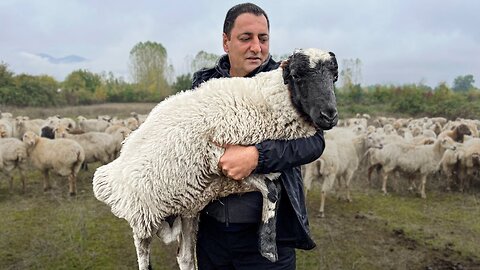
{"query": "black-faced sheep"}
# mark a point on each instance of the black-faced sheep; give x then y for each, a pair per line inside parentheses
(168, 167)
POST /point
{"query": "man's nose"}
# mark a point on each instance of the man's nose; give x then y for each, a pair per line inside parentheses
(255, 46)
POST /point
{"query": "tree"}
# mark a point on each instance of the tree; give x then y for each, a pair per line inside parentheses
(34, 91)
(204, 60)
(463, 83)
(351, 73)
(6, 76)
(149, 68)
(80, 86)
(183, 82)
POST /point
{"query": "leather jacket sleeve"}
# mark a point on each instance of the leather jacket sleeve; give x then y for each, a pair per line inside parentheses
(279, 155)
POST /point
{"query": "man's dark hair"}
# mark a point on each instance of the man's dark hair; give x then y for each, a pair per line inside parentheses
(238, 10)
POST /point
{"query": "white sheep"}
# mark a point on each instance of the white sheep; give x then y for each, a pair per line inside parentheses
(324, 169)
(24, 124)
(6, 128)
(13, 155)
(62, 156)
(97, 146)
(97, 125)
(411, 159)
(168, 166)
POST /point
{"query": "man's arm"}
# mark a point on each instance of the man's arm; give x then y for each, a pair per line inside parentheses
(269, 156)
(276, 156)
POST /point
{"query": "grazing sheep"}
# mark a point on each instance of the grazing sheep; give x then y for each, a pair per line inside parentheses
(6, 128)
(13, 154)
(169, 165)
(411, 159)
(457, 133)
(63, 156)
(324, 169)
(97, 146)
(24, 124)
(470, 161)
(97, 125)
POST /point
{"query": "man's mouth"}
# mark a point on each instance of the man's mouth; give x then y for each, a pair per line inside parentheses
(253, 58)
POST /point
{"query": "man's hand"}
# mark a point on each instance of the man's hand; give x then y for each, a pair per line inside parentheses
(238, 161)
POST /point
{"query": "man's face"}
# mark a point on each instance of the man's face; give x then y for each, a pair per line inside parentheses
(248, 46)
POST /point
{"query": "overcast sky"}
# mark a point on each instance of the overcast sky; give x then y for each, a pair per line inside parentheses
(398, 41)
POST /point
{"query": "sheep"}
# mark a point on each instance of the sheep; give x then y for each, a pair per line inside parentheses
(140, 117)
(168, 166)
(410, 158)
(325, 168)
(97, 146)
(457, 133)
(13, 154)
(98, 125)
(6, 128)
(24, 124)
(63, 156)
(470, 161)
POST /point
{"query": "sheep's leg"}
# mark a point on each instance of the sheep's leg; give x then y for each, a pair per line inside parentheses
(46, 181)
(347, 186)
(72, 184)
(270, 190)
(268, 233)
(327, 185)
(422, 187)
(384, 182)
(22, 178)
(370, 171)
(186, 248)
(142, 246)
(323, 194)
(10, 181)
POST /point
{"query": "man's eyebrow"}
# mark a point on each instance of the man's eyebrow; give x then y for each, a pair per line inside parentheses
(250, 34)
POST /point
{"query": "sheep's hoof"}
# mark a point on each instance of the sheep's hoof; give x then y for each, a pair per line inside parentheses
(47, 189)
(73, 194)
(321, 215)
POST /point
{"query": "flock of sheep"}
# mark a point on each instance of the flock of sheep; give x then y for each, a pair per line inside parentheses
(60, 145)
(399, 148)
(359, 146)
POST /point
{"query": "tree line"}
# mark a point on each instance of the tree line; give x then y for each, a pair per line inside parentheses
(152, 81)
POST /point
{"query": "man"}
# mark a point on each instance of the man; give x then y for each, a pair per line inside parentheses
(227, 236)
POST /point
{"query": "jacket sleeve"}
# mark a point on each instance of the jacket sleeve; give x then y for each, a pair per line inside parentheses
(279, 155)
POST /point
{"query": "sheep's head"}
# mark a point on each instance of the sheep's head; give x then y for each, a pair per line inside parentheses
(310, 75)
(30, 138)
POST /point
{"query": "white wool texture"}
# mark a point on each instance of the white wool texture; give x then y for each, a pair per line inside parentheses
(169, 165)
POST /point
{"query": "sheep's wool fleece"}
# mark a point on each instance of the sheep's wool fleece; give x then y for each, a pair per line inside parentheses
(166, 165)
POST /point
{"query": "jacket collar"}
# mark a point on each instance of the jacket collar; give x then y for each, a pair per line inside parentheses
(223, 66)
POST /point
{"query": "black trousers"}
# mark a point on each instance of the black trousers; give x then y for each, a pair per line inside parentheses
(235, 247)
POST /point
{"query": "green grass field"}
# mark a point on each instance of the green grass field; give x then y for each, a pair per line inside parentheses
(50, 230)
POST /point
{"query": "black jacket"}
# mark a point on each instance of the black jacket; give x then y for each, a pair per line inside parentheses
(274, 156)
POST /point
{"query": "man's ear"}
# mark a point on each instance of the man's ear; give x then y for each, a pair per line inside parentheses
(224, 42)
(285, 65)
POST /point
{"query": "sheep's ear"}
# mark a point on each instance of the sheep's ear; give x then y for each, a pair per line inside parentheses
(285, 65)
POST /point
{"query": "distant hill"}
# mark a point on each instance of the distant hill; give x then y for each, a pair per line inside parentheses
(62, 60)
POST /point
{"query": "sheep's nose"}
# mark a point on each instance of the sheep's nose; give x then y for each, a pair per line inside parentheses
(329, 115)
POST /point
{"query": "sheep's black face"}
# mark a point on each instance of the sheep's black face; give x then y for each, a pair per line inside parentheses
(311, 75)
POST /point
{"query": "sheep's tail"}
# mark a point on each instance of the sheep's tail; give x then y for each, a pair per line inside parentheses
(78, 164)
